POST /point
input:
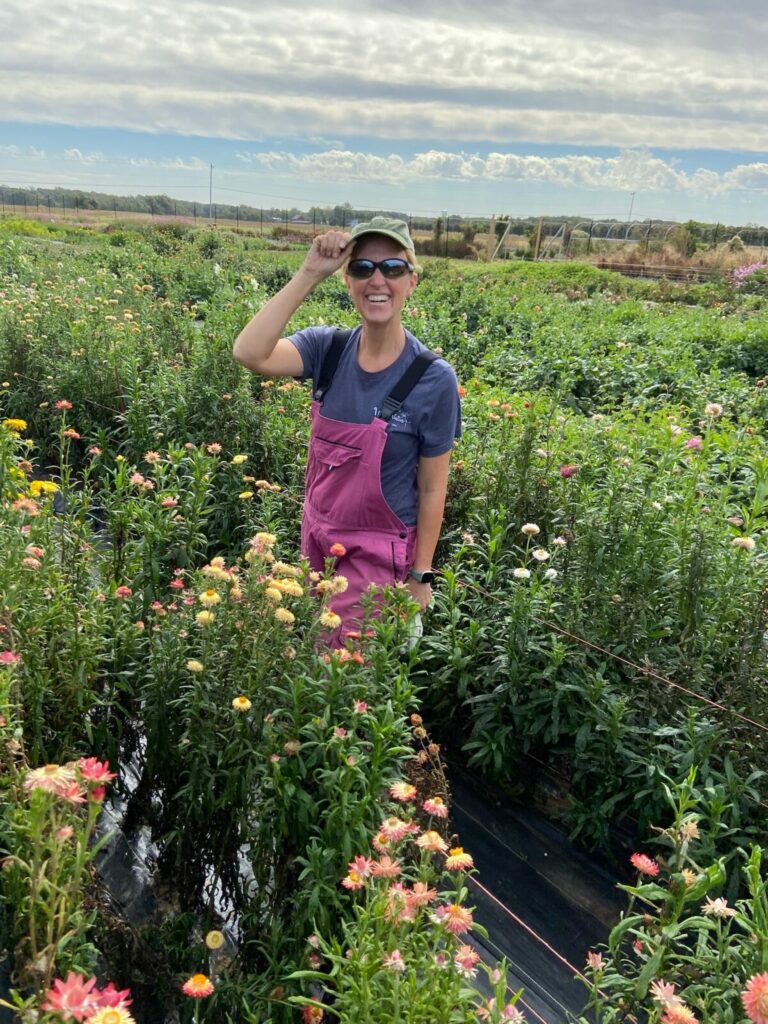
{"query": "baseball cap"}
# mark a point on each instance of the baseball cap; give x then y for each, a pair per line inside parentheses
(389, 226)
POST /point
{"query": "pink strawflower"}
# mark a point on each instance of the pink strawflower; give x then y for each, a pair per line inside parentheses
(664, 994)
(360, 707)
(72, 998)
(595, 960)
(94, 450)
(198, 986)
(362, 865)
(63, 403)
(694, 443)
(94, 770)
(435, 806)
(400, 907)
(394, 961)
(74, 794)
(465, 959)
(569, 470)
(123, 592)
(110, 996)
(338, 550)
(72, 434)
(9, 658)
(645, 865)
(755, 998)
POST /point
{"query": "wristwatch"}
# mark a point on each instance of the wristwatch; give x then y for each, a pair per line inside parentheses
(422, 577)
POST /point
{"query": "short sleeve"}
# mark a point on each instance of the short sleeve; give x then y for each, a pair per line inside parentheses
(441, 422)
(312, 343)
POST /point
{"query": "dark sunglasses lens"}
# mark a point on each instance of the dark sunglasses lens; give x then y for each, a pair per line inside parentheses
(361, 268)
(393, 268)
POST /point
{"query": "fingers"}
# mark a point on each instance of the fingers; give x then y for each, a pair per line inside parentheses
(331, 244)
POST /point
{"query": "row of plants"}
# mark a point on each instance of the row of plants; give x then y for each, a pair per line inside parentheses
(607, 499)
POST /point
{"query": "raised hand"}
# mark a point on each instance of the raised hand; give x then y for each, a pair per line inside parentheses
(327, 253)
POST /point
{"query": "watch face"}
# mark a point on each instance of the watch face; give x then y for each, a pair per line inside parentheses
(424, 577)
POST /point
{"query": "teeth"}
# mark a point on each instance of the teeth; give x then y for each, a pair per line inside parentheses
(378, 298)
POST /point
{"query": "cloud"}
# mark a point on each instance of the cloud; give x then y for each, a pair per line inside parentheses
(87, 159)
(169, 163)
(681, 73)
(631, 170)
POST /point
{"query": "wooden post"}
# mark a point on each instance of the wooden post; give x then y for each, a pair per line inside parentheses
(537, 245)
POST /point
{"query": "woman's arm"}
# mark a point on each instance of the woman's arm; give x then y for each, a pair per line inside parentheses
(432, 486)
(260, 345)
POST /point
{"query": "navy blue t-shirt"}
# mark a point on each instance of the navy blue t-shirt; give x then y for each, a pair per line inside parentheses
(427, 423)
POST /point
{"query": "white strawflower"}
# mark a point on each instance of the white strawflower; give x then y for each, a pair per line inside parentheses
(745, 543)
(530, 529)
(540, 554)
(713, 409)
(550, 574)
(521, 574)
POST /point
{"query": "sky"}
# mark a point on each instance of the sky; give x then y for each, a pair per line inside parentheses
(600, 108)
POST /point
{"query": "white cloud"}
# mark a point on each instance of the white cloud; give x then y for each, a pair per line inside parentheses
(87, 159)
(631, 170)
(600, 72)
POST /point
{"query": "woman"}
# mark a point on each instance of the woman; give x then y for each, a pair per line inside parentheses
(383, 419)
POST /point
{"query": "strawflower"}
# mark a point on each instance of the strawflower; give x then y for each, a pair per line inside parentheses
(394, 961)
(755, 999)
(457, 919)
(53, 778)
(645, 865)
(214, 939)
(680, 1014)
(717, 908)
(402, 791)
(209, 598)
(205, 618)
(193, 665)
(458, 860)
(530, 529)
(745, 543)
(432, 842)
(9, 658)
(338, 550)
(198, 986)
(111, 1015)
(93, 770)
(435, 806)
(241, 704)
(72, 998)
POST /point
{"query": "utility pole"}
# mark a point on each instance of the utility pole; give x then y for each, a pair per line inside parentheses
(445, 233)
(210, 194)
(631, 204)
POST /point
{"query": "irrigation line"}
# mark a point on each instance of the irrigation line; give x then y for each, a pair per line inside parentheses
(89, 401)
(624, 661)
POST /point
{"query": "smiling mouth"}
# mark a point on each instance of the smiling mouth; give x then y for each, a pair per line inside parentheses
(380, 299)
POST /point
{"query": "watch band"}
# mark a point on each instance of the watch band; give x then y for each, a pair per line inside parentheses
(427, 576)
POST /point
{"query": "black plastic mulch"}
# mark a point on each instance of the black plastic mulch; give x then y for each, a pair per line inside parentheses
(544, 902)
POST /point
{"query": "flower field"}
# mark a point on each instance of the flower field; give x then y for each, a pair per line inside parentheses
(600, 619)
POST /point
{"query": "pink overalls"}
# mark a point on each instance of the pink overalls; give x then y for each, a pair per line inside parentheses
(343, 503)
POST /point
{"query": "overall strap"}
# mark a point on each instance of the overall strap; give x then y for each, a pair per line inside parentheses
(406, 384)
(331, 362)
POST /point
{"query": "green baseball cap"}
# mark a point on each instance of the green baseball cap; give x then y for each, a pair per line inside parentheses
(389, 226)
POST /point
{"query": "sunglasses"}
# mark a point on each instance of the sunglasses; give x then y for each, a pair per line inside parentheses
(393, 267)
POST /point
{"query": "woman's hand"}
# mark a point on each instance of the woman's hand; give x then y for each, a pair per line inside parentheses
(420, 592)
(326, 254)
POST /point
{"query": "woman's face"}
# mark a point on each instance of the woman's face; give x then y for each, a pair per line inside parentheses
(379, 300)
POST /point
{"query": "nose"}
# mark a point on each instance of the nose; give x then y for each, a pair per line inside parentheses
(377, 277)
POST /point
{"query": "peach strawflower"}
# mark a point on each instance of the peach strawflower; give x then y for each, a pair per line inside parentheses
(755, 998)
(198, 986)
(421, 894)
(338, 550)
(53, 778)
(432, 841)
(680, 1014)
(457, 919)
(111, 1015)
(664, 994)
(402, 791)
(386, 867)
(353, 880)
(394, 829)
(457, 860)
